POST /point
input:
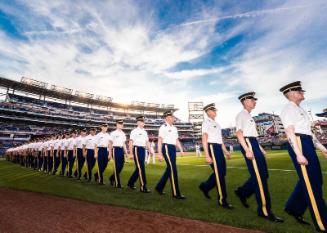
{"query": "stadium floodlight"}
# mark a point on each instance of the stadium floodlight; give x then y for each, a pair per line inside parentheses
(104, 98)
(84, 95)
(61, 89)
(33, 82)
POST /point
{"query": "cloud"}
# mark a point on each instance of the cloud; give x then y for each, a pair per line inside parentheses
(121, 50)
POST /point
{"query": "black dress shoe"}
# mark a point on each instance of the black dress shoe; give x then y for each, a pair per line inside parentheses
(96, 177)
(272, 218)
(131, 187)
(227, 206)
(180, 197)
(112, 182)
(298, 218)
(85, 176)
(242, 199)
(161, 192)
(145, 191)
(204, 191)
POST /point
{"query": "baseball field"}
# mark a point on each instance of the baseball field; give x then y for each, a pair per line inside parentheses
(192, 170)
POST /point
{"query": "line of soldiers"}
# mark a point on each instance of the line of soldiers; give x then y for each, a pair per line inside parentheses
(81, 150)
(302, 150)
(102, 147)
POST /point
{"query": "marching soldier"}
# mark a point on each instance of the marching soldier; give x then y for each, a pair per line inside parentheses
(80, 156)
(167, 142)
(90, 144)
(102, 152)
(71, 153)
(302, 144)
(118, 148)
(254, 156)
(214, 150)
(57, 153)
(40, 154)
(138, 143)
(51, 153)
(63, 156)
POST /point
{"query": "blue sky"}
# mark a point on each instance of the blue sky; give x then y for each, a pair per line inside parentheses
(171, 52)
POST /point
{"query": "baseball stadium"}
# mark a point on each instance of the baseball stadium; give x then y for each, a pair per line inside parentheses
(163, 116)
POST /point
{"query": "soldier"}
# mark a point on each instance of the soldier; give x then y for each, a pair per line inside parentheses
(63, 147)
(167, 142)
(102, 152)
(254, 156)
(57, 153)
(214, 150)
(118, 148)
(138, 143)
(80, 157)
(302, 145)
(51, 153)
(71, 152)
(90, 146)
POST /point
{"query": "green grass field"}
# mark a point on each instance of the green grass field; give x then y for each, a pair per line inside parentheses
(192, 171)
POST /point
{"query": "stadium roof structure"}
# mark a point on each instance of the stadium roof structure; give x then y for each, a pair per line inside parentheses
(41, 88)
(323, 114)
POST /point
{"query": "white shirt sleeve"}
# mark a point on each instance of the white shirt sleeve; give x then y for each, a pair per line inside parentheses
(162, 131)
(205, 127)
(288, 117)
(132, 136)
(239, 123)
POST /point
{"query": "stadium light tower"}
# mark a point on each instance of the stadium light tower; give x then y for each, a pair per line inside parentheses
(195, 116)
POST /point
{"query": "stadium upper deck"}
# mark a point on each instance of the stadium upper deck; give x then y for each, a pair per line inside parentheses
(34, 108)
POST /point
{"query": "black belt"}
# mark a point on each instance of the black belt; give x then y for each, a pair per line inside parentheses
(140, 146)
(121, 147)
(214, 143)
(102, 147)
(303, 135)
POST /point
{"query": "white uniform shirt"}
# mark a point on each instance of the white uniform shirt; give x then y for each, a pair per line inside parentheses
(80, 141)
(245, 122)
(168, 133)
(118, 138)
(139, 137)
(213, 129)
(56, 144)
(40, 146)
(63, 143)
(102, 139)
(89, 142)
(71, 142)
(296, 116)
(50, 144)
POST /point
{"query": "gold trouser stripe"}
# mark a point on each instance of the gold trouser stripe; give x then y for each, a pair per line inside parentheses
(77, 164)
(86, 168)
(309, 188)
(257, 173)
(115, 172)
(139, 168)
(171, 171)
(98, 168)
(217, 175)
